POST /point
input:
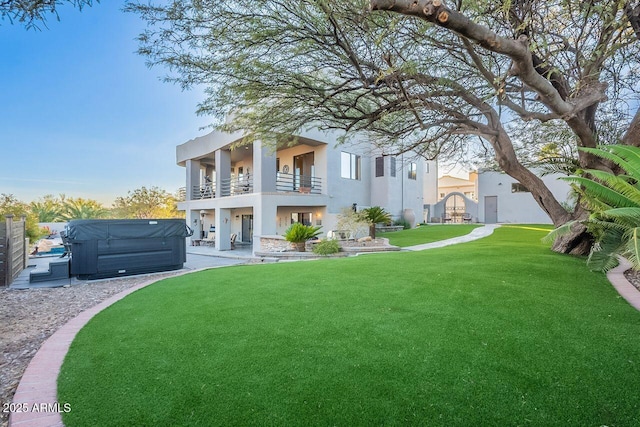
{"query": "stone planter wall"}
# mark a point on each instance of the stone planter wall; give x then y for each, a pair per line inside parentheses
(275, 244)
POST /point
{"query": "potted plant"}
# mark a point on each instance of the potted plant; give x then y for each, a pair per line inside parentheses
(298, 234)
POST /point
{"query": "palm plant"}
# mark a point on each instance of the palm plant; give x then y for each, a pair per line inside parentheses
(614, 205)
(376, 215)
(299, 233)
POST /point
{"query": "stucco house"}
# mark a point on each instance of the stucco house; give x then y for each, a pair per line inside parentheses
(254, 190)
(501, 199)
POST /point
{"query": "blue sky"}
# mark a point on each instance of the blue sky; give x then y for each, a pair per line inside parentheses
(82, 115)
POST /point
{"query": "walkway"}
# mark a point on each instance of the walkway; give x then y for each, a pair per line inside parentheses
(477, 233)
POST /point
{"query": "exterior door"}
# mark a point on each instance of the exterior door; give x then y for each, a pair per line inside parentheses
(303, 170)
(490, 209)
(247, 228)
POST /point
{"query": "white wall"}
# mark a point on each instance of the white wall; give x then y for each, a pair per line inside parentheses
(517, 207)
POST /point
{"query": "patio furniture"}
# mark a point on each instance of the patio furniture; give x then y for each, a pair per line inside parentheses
(466, 217)
(446, 217)
(234, 236)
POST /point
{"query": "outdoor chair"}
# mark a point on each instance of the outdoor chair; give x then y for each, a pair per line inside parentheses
(234, 236)
(466, 217)
(446, 217)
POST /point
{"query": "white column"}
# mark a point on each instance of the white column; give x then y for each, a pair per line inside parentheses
(223, 171)
(265, 214)
(193, 177)
(223, 229)
(193, 221)
(264, 168)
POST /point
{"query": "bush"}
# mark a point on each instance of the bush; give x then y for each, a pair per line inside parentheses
(403, 222)
(327, 247)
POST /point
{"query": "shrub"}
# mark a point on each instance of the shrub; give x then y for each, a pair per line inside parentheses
(326, 247)
(403, 222)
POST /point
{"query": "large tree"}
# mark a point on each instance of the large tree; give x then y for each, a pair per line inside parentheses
(466, 77)
(145, 203)
(31, 13)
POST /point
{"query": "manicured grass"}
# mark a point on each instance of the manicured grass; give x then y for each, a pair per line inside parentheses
(427, 234)
(495, 332)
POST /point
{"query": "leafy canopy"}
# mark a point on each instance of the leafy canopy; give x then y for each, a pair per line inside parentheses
(279, 67)
(32, 12)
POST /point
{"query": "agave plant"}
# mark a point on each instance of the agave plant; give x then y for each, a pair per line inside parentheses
(614, 205)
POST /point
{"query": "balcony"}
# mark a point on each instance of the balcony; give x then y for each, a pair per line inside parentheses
(285, 183)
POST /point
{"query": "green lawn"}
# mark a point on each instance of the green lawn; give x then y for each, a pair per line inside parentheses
(495, 332)
(427, 234)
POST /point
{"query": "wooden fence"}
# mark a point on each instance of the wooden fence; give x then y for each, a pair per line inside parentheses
(13, 249)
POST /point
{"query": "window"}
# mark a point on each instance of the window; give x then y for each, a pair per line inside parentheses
(305, 218)
(516, 187)
(379, 166)
(392, 166)
(350, 167)
(413, 171)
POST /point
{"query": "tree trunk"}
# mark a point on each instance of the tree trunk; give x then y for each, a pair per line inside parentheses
(579, 241)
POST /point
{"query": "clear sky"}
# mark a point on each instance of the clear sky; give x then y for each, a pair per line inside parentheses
(82, 115)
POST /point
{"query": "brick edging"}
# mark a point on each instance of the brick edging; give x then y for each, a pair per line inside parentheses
(35, 401)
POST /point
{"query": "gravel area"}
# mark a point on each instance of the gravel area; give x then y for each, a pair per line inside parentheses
(29, 317)
(633, 277)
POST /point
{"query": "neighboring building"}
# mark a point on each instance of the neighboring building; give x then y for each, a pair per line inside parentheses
(252, 191)
(456, 199)
(503, 199)
(450, 184)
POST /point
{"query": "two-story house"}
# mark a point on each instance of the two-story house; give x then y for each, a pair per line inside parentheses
(256, 190)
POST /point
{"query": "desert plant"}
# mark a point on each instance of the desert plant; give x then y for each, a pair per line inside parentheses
(300, 233)
(614, 205)
(377, 215)
(327, 247)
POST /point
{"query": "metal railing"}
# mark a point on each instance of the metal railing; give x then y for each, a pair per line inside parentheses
(286, 182)
(235, 186)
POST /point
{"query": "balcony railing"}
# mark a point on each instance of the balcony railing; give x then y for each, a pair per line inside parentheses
(298, 183)
(236, 186)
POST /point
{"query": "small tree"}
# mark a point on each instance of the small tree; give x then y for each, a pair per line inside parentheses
(376, 215)
(10, 205)
(146, 203)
